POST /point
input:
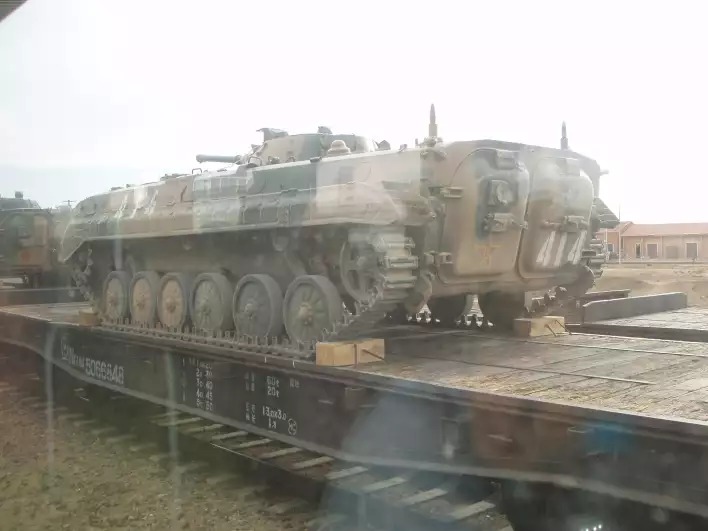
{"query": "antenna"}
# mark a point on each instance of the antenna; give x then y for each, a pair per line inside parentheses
(564, 137)
(432, 126)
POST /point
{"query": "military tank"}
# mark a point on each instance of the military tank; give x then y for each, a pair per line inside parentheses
(320, 235)
(27, 243)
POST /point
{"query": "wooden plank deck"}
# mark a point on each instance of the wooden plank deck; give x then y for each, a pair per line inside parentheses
(647, 376)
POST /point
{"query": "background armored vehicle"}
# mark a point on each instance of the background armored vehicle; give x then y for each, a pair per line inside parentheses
(28, 242)
(305, 225)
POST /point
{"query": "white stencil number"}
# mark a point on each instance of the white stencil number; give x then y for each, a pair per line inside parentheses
(545, 255)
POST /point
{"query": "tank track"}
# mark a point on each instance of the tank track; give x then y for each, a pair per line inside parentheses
(395, 278)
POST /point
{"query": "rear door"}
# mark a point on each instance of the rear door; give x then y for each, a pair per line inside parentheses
(558, 215)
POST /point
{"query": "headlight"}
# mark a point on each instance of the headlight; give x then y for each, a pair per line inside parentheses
(500, 193)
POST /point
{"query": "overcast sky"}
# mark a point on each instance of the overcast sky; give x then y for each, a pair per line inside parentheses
(96, 93)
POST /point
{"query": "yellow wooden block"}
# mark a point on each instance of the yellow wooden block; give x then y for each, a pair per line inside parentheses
(88, 318)
(349, 352)
(548, 325)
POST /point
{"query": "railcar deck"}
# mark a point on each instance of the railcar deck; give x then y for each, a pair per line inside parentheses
(625, 416)
(646, 376)
(637, 375)
(686, 324)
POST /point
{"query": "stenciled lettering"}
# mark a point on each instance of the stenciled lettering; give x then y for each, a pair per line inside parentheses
(97, 369)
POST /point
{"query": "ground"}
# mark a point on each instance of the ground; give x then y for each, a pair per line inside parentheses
(645, 279)
(70, 478)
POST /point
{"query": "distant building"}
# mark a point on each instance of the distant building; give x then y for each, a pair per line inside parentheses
(612, 238)
(665, 241)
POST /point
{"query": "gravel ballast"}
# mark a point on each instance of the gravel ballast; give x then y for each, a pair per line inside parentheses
(70, 478)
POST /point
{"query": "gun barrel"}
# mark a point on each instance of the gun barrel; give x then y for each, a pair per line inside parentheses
(232, 159)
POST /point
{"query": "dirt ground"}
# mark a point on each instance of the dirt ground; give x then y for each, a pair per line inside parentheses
(70, 478)
(645, 279)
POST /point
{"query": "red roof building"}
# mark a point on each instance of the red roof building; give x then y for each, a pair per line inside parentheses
(664, 241)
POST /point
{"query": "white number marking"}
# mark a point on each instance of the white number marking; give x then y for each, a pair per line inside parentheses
(576, 252)
(561, 248)
(544, 255)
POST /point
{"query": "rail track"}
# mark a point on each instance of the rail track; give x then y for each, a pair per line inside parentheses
(317, 490)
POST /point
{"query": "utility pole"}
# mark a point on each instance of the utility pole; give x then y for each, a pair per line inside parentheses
(619, 233)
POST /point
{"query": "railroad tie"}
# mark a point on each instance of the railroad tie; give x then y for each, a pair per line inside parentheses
(466, 511)
(179, 422)
(230, 435)
(345, 473)
(249, 444)
(423, 497)
(385, 484)
(280, 453)
(201, 429)
(317, 461)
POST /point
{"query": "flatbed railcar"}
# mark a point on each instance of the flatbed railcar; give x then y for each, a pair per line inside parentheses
(625, 417)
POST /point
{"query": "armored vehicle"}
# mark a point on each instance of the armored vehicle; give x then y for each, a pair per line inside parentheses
(320, 235)
(27, 240)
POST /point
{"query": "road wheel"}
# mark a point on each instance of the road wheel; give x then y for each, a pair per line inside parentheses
(312, 305)
(258, 306)
(143, 297)
(173, 299)
(210, 302)
(115, 295)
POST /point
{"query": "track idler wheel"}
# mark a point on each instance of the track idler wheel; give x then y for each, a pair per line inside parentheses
(447, 310)
(311, 308)
(115, 299)
(501, 308)
(258, 306)
(210, 302)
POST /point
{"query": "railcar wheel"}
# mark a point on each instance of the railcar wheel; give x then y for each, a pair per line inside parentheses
(115, 295)
(447, 309)
(143, 297)
(312, 304)
(501, 308)
(210, 302)
(258, 306)
(173, 299)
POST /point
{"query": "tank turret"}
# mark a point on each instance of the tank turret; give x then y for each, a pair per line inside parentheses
(278, 146)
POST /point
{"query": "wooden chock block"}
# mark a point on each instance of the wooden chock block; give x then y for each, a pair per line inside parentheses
(342, 353)
(88, 317)
(548, 325)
